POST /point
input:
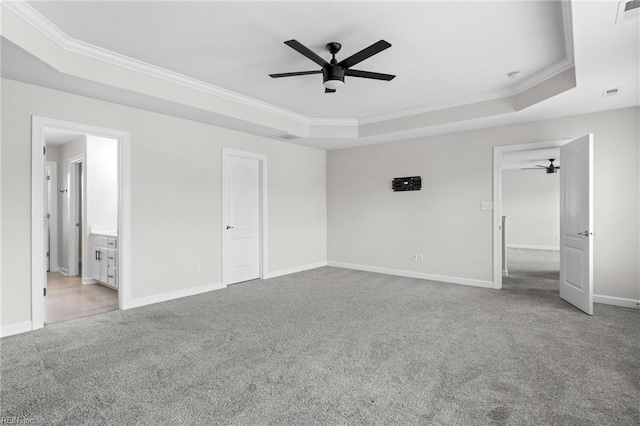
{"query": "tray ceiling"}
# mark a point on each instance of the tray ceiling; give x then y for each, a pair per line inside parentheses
(209, 62)
(444, 53)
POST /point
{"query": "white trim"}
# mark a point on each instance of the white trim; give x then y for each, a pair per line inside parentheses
(333, 121)
(38, 266)
(64, 271)
(53, 220)
(410, 274)
(567, 26)
(38, 278)
(617, 301)
(48, 29)
(172, 295)
(15, 328)
(86, 280)
(295, 269)
(55, 34)
(533, 247)
(497, 198)
(540, 77)
(72, 173)
(264, 220)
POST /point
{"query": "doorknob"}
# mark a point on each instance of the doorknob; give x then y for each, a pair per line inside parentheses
(586, 233)
(229, 227)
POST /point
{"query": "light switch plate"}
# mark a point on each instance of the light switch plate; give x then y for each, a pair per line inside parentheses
(486, 205)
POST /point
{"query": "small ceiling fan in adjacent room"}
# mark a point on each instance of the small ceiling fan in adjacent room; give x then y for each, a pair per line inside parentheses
(551, 168)
(333, 72)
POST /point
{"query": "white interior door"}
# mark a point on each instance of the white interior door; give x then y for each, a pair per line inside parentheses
(46, 203)
(241, 218)
(576, 223)
(48, 196)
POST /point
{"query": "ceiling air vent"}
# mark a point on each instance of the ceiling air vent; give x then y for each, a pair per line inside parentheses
(627, 10)
(286, 137)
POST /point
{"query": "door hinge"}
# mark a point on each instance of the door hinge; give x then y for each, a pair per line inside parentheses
(44, 150)
(48, 215)
(48, 177)
(45, 292)
(48, 255)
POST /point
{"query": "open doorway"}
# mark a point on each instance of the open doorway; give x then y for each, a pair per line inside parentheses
(531, 222)
(575, 213)
(508, 161)
(86, 200)
(115, 266)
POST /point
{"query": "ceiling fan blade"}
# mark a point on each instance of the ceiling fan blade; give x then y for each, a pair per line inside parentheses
(329, 90)
(301, 48)
(530, 168)
(364, 54)
(292, 74)
(544, 167)
(369, 74)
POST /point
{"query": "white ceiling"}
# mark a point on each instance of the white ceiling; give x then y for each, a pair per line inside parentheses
(443, 53)
(516, 160)
(56, 137)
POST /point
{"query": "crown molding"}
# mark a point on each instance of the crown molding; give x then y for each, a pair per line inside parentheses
(32, 17)
(333, 121)
(526, 84)
(47, 28)
(536, 79)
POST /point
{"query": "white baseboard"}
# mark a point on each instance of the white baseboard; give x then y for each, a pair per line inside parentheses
(411, 274)
(15, 328)
(282, 272)
(89, 281)
(54, 268)
(533, 247)
(164, 297)
(617, 301)
(63, 271)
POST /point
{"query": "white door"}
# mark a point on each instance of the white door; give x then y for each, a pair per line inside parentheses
(46, 203)
(576, 223)
(48, 196)
(241, 218)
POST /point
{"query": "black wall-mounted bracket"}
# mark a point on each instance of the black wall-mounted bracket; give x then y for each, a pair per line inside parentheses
(412, 183)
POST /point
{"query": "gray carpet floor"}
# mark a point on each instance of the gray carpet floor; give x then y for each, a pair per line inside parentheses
(334, 346)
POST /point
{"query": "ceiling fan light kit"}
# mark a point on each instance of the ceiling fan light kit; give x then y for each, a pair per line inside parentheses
(551, 168)
(333, 72)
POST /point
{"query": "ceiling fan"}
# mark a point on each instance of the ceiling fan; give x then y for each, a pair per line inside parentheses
(551, 168)
(333, 72)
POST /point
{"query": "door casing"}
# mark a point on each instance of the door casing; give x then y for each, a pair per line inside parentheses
(38, 247)
(52, 170)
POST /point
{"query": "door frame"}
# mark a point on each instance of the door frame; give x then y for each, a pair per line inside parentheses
(73, 230)
(38, 260)
(53, 220)
(264, 254)
(497, 198)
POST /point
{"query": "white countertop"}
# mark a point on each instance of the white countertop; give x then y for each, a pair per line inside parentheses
(104, 230)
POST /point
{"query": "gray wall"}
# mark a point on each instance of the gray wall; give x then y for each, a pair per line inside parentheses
(175, 194)
(531, 202)
(371, 225)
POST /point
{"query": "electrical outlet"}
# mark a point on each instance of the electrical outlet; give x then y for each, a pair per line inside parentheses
(486, 205)
(421, 257)
(197, 267)
(414, 257)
